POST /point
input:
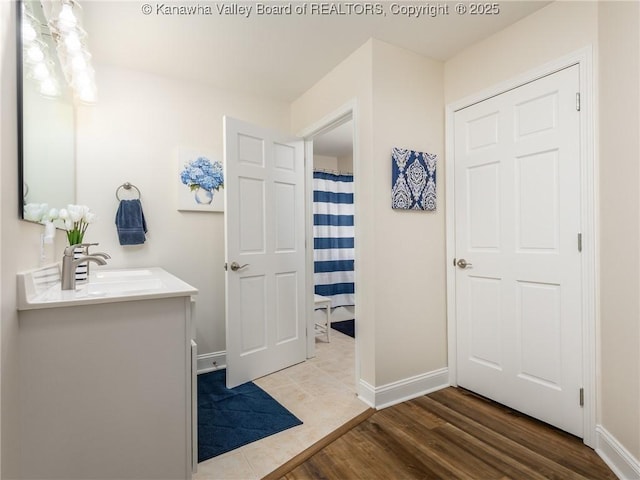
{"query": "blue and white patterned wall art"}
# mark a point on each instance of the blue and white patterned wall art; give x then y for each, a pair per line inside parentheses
(413, 177)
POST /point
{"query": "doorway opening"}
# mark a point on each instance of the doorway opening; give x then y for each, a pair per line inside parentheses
(331, 152)
(333, 229)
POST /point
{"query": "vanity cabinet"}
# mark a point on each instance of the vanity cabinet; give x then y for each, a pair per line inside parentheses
(106, 389)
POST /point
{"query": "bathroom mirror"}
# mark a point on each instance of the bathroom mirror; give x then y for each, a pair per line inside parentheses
(46, 117)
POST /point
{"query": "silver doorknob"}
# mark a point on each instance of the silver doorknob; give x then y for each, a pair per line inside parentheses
(462, 263)
(235, 266)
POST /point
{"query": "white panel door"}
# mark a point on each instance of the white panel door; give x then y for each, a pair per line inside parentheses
(265, 251)
(517, 211)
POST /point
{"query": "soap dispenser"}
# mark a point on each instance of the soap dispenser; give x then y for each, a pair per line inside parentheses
(46, 242)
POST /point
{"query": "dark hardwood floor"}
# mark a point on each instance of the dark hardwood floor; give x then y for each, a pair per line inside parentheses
(449, 434)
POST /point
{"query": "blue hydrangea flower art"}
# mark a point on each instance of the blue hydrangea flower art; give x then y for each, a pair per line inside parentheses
(203, 177)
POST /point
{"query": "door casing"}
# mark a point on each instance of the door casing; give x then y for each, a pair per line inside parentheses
(343, 114)
(588, 219)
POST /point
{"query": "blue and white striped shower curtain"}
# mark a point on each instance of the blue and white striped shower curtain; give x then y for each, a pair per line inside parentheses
(333, 248)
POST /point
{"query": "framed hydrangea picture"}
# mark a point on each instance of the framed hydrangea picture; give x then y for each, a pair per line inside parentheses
(201, 182)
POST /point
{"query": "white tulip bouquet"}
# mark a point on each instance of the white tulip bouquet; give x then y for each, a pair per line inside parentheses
(76, 219)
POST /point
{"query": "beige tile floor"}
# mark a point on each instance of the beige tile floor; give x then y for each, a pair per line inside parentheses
(320, 392)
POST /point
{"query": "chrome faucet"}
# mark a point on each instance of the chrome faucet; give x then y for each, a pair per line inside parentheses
(95, 254)
(85, 251)
(69, 264)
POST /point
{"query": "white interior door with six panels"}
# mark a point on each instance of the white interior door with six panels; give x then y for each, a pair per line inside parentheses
(517, 219)
(265, 251)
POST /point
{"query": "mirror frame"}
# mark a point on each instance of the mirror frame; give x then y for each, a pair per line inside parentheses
(20, 110)
(34, 133)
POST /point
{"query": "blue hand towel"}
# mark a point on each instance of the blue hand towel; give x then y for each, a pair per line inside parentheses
(130, 222)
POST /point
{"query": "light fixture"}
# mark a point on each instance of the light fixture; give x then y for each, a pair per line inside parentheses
(66, 26)
(36, 55)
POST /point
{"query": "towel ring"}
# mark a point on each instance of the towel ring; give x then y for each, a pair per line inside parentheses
(127, 186)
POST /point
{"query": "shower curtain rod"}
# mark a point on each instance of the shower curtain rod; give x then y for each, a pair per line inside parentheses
(335, 172)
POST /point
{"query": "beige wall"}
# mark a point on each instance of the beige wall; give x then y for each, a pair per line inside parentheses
(342, 164)
(6, 129)
(345, 163)
(619, 125)
(611, 28)
(7, 149)
(324, 162)
(556, 30)
(408, 112)
(400, 293)
(132, 135)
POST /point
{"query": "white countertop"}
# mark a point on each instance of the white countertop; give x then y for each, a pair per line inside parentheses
(104, 286)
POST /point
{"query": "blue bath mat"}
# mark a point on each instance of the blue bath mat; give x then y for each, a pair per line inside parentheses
(231, 418)
(348, 327)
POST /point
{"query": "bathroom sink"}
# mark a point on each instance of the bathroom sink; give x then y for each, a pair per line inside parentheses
(41, 288)
(135, 284)
(120, 275)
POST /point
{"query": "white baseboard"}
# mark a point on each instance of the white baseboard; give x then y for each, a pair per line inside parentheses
(403, 390)
(616, 456)
(206, 361)
(367, 393)
(376, 397)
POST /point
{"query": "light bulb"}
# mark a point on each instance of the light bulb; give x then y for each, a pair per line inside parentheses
(82, 79)
(28, 32)
(41, 71)
(67, 19)
(72, 41)
(35, 53)
(78, 62)
(49, 88)
(87, 94)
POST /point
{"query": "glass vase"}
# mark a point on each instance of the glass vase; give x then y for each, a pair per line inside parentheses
(203, 196)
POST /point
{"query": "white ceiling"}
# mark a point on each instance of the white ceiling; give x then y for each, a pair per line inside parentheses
(269, 55)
